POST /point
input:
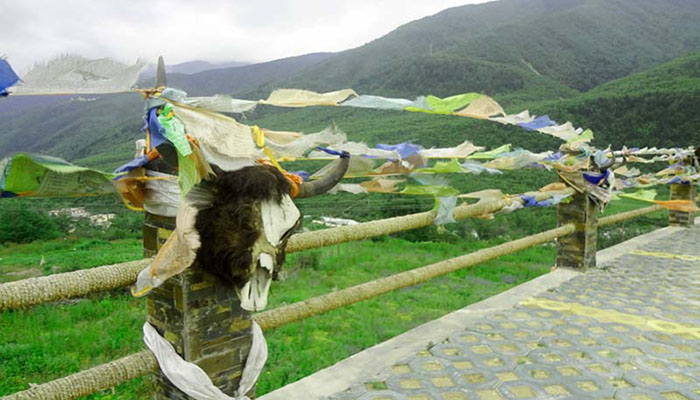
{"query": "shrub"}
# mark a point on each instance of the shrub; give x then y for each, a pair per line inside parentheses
(20, 225)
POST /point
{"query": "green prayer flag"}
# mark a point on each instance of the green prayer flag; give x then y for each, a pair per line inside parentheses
(448, 104)
(186, 174)
(430, 190)
(647, 195)
(174, 130)
(586, 136)
(442, 167)
(36, 175)
(488, 155)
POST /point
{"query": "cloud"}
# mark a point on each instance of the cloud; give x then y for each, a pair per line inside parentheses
(213, 30)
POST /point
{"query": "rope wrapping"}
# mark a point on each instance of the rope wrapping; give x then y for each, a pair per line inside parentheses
(366, 230)
(327, 302)
(621, 217)
(32, 291)
(91, 380)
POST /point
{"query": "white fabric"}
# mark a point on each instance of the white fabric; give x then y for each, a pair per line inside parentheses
(178, 252)
(223, 161)
(354, 188)
(278, 219)
(161, 196)
(482, 108)
(513, 206)
(446, 206)
(71, 74)
(192, 380)
(221, 103)
(359, 166)
(303, 98)
(185, 222)
(462, 151)
(565, 131)
(357, 149)
(299, 147)
(378, 102)
(514, 119)
(217, 131)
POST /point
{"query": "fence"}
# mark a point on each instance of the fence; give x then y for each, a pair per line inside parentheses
(206, 325)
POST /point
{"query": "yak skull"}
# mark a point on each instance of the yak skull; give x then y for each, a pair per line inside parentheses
(245, 232)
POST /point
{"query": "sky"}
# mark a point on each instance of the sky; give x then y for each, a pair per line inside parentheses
(212, 30)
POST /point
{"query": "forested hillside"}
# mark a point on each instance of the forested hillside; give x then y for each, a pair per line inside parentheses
(653, 108)
(539, 54)
(508, 46)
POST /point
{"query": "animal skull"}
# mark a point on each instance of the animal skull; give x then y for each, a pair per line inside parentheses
(244, 233)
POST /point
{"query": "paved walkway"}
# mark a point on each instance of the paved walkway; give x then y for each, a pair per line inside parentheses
(629, 330)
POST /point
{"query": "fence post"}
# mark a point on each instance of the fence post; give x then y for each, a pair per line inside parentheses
(682, 192)
(578, 250)
(200, 316)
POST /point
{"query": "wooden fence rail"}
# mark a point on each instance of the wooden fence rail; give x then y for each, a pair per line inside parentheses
(32, 291)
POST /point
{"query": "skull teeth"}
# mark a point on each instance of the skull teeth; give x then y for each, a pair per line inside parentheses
(253, 295)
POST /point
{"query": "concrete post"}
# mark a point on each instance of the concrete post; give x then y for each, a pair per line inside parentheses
(200, 316)
(682, 192)
(578, 250)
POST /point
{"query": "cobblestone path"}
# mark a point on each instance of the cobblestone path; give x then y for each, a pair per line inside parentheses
(628, 330)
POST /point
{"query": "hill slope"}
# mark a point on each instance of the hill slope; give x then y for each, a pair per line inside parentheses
(507, 46)
(522, 52)
(190, 67)
(234, 80)
(72, 128)
(651, 108)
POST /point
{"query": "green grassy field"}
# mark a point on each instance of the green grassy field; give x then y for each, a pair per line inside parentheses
(56, 339)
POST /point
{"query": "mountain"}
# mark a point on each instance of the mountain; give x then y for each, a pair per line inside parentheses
(99, 130)
(190, 67)
(72, 127)
(651, 108)
(597, 63)
(531, 49)
(235, 80)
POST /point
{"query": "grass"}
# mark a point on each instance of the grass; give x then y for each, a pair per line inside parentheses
(53, 340)
(20, 261)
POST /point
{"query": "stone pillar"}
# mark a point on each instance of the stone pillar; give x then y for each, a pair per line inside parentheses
(578, 250)
(201, 317)
(156, 230)
(682, 192)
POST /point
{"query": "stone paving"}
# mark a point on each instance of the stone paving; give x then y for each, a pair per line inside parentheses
(628, 330)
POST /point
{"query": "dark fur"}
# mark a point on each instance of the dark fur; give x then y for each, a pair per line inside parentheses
(228, 229)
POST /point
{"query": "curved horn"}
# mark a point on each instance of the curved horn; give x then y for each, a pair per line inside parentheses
(310, 189)
(160, 73)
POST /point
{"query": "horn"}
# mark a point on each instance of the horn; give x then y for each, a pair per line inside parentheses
(160, 73)
(310, 189)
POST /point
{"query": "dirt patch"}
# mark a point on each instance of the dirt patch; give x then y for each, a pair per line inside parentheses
(21, 274)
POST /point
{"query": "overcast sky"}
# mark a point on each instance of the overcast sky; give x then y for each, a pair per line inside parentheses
(184, 30)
